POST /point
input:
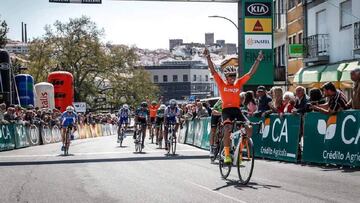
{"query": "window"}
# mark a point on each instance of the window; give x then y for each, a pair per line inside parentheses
(194, 77)
(200, 76)
(300, 38)
(165, 79)
(294, 39)
(175, 78)
(290, 40)
(320, 25)
(345, 14)
(185, 78)
(206, 78)
(156, 78)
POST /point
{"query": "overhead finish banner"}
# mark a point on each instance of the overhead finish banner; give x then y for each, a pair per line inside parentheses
(258, 35)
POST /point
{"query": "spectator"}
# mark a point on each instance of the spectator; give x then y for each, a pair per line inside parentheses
(288, 102)
(242, 99)
(355, 100)
(207, 107)
(249, 103)
(276, 105)
(263, 100)
(336, 100)
(2, 113)
(301, 100)
(316, 97)
(10, 116)
(201, 111)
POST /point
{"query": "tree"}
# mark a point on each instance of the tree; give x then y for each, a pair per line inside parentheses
(75, 47)
(3, 32)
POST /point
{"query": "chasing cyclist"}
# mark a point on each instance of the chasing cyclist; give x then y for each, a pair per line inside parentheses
(215, 119)
(172, 114)
(123, 117)
(68, 118)
(229, 92)
(141, 117)
(159, 123)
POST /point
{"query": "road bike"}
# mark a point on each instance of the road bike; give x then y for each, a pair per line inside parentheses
(139, 136)
(151, 131)
(171, 142)
(66, 145)
(159, 136)
(121, 134)
(218, 140)
(241, 150)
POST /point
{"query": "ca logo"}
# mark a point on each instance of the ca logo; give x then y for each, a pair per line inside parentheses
(265, 128)
(327, 128)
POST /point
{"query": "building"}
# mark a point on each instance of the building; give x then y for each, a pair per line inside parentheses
(209, 38)
(174, 42)
(331, 41)
(182, 79)
(295, 30)
(16, 47)
(221, 42)
(230, 48)
(280, 42)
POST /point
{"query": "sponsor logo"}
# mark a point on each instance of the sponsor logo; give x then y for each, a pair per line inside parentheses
(327, 128)
(258, 41)
(260, 25)
(233, 90)
(258, 9)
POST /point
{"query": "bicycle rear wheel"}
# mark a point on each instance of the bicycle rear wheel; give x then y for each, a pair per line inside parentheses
(173, 144)
(121, 138)
(245, 162)
(225, 169)
(140, 141)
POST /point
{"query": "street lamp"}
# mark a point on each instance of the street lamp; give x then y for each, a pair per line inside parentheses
(216, 16)
(240, 69)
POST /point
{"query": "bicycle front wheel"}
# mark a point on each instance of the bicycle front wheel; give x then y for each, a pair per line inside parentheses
(173, 145)
(225, 169)
(246, 158)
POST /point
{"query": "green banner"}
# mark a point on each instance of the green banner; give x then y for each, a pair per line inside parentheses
(205, 143)
(183, 132)
(21, 139)
(278, 138)
(198, 132)
(296, 50)
(332, 139)
(258, 35)
(191, 133)
(7, 139)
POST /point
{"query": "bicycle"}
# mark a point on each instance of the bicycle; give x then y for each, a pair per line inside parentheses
(159, 136)
(218, 139)
(151, 130)
(138, 137)
(121, 134)
(171, 142)
(242, 153)
(66, 145)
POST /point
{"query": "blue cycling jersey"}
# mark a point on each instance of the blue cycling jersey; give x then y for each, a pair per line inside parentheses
(68, 119)
(123, 113)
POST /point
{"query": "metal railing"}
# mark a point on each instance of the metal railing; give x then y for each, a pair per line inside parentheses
(316, 45)
(357, 35)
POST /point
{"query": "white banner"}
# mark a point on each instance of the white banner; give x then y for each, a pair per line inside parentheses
(258, 41)
(80, 107)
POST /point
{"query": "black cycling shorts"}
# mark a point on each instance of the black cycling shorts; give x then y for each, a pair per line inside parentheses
(142, 121)
(215, 120)
(159, 121)
(152, 120)
(233, 114)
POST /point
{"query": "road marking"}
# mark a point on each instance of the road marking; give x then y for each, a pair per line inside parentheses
(216, 192)
(90, 153)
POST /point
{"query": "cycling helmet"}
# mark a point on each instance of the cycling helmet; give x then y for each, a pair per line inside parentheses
(229, 70)
(153, 102)
(144, 104)
(172, 103)
(69, 109)
(125, 106)
(162, 107)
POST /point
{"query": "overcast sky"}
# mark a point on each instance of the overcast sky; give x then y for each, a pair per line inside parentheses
(144, 24)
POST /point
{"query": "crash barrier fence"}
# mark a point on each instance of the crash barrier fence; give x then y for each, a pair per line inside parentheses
(14, 136)
(312, 138)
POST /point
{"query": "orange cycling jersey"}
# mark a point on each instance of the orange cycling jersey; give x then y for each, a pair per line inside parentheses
(230, 93)
(153, 110)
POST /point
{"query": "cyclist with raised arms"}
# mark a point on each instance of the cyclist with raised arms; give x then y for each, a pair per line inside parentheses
(229, 92)
(153, 107)
(171, 116)
(68, 118)
(141, 117)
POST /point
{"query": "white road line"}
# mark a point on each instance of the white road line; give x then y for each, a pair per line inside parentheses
(89, 153)
(216, 192)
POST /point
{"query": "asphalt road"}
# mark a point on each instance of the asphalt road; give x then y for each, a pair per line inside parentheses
(100, 171)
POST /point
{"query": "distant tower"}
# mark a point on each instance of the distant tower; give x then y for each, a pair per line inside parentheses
(174, 42)
(209, 38)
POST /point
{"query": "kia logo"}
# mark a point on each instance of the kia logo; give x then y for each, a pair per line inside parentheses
(258, 9)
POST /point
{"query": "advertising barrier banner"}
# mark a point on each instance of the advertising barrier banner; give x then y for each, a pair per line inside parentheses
(205, 143)
(33, 135)
(21, 139)
(7, 140)
(183, 132)
(332, 139)
(190, 133)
